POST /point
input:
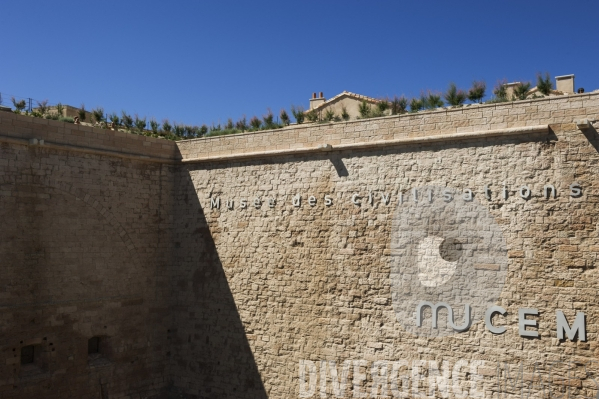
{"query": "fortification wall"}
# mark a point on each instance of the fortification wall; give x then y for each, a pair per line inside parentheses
(132, 239)
(313, 282)
(85, 246)
(474, 118)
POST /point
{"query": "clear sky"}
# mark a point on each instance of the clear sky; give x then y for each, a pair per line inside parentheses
(200, 62)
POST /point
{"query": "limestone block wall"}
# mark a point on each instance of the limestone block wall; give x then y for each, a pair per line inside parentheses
(474, 118)
(84, 252)
(312, 282)
(112, 235)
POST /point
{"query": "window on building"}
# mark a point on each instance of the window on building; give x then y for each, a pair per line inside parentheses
(93, 346)
(27, 354)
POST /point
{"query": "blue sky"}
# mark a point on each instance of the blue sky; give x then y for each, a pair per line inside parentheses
(199, 62)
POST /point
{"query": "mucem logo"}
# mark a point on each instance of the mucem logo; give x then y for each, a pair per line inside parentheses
(449, 267)
(449, 261)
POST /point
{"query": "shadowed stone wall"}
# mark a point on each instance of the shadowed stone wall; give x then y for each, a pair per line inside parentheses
(84, 252)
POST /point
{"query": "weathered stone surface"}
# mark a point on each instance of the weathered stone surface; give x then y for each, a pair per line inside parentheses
(97, 240)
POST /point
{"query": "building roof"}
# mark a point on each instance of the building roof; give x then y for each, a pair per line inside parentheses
(359, 97)
(535, 90)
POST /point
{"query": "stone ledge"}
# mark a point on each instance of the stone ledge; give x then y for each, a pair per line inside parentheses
(324, 147)
(20, 129)
(85, 149)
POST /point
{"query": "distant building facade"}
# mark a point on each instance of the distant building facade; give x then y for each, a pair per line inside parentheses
(350, 102)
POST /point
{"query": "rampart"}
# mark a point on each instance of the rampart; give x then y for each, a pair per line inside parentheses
(148, 245)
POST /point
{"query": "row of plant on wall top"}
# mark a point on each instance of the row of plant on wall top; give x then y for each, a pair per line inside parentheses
(453, 97)
(141, 125)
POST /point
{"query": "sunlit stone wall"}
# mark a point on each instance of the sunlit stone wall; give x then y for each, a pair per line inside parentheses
(304, 237)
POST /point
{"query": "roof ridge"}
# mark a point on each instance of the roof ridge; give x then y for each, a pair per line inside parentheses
(347, 93)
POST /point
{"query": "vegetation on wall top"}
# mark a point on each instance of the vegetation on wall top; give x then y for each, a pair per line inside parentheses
(452, 97)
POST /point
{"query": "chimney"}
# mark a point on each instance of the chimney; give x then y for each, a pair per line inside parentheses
(565, 83)
(315, 102)
(509, 90)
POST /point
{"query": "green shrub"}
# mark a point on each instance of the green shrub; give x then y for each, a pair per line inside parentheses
(255, 123)
(431, 101)
(455, 97)
(166, 126)
(500, 92)
(114, 118)
(268, 120)
(154, 126)
(416, 105)
(178, 129)
(383, 105)
(284, 117)
(42, 107)
(544, 84)
(97, 113)
(81, 113)
(190, 132)
(140, 123)
(298, 113)
(329, 115)
(376, 112)
(229, 125)
(52, 116)
(241, 124)
(312, 115)
(344, 113)
(364, 109)
(221, 132)
(399, 105)
(126, 120)
(204, 130)
(477, 91)
(19, 105)
(60, 109)
(66, 119)
(521, 90)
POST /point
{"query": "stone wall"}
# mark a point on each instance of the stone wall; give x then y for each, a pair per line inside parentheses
(474, 118)
(114, 235)
(312, 282)
(85, 252)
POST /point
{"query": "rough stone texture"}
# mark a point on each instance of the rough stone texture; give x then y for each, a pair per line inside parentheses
(84, 248)
(205, 302)
(551, 111)
(313, 282)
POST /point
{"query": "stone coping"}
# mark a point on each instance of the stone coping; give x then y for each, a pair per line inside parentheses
(324, 147)
(27, 130)
(445, 124)
(402, 129)
(87, 150)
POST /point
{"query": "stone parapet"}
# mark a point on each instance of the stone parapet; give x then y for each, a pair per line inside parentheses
(68, 136)
(473, 118)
